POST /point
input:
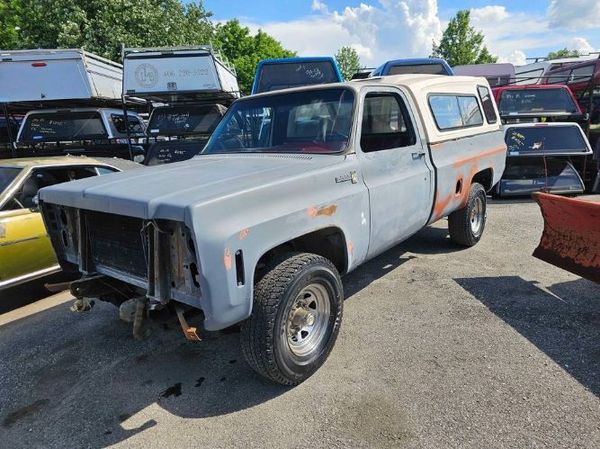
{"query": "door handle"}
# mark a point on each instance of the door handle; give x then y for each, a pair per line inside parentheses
(418, 154)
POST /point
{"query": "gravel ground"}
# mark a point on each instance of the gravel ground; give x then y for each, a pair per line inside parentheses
(440, 348)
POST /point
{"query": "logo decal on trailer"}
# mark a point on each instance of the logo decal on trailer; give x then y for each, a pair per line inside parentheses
(146, 75)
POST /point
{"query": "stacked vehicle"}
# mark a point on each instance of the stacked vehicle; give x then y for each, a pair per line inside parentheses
(72, 105)
(85, 119)
(188, 90)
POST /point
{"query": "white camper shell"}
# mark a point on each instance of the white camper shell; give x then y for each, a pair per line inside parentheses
(58, 75)
(176, 74)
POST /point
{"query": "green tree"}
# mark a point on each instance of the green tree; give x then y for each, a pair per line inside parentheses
(563, 53)
(245, 50)
(100, 26)
(461, 44)
(10, 23)
(348, 61)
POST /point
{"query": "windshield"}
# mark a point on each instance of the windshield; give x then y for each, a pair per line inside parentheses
(61, 126)
(536, 100)
(293, 74)
(180, 120)
(427, 69)
(545, 139)
(316, 121)
(7, 176)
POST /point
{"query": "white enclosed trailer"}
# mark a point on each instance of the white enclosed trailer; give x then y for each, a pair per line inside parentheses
(176, 74)
(58, 75)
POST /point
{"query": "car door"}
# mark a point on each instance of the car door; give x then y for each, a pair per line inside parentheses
(396, 168)
(25, 248)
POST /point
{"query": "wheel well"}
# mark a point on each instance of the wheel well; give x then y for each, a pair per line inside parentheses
(328, 242)
(485, 178)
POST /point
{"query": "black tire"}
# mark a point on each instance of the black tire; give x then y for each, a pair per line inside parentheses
(463, 229)
(267, 337)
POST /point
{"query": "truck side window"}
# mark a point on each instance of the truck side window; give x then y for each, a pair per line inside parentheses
(385, 123)
(487, 103)
(455, 111)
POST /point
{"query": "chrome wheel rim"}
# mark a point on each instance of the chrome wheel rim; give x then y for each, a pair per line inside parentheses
(476, 217)
(308, 320)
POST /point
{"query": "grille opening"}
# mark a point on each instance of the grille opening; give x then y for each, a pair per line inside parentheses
(195, 274)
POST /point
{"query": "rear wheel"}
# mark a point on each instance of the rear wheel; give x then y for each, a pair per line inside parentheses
(466, 225)
(295, 320)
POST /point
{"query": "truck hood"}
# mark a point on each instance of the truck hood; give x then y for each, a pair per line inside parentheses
(166, 191)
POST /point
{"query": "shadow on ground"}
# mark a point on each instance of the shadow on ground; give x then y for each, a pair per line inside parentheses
(563, 322)
(81, 380)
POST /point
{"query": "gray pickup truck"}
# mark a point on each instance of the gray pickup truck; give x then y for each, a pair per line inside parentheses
(294, 189)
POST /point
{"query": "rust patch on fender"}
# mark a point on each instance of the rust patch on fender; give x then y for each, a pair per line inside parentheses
(350, 247)
(325, 211)
(571, 236)
(244, 233)
(227, 259)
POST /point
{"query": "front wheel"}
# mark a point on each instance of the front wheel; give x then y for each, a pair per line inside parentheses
(466, 225)
(295, 320)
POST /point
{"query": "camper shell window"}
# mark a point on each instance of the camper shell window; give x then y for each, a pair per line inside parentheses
(426, 69)
(488, 104)
(63, 126)
(452, 112)
(293, 74)
(185, 120)
(544, 140)
(528, 101)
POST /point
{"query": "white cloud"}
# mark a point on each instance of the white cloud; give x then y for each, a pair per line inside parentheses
(381, 31)
(574, 14)
(318, 5)
(581, 45)
(517, 57)
(508, 34)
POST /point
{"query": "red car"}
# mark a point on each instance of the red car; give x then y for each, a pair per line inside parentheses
(536, 100)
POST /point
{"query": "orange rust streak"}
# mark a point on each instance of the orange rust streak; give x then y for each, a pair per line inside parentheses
(477, 157)
(322, 211)
(244, 233)
(227, 259)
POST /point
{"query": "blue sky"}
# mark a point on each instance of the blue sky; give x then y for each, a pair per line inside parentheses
(384, 29)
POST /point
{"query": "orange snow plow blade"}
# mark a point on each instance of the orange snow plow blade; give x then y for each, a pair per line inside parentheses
(571, 237)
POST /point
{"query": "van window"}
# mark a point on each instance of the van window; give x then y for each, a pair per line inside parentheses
(385, 123)
(487, 103)
(455, 111)
(135, 127)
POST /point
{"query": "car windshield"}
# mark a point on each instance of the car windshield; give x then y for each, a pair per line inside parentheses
(7, 176)
(427, 69)
(277, 76)
(63, 126)
(314, 121)
(528, 101)
(180, 120)
(545, 139)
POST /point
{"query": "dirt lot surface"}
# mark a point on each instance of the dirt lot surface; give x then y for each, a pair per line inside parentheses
(440, 348)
